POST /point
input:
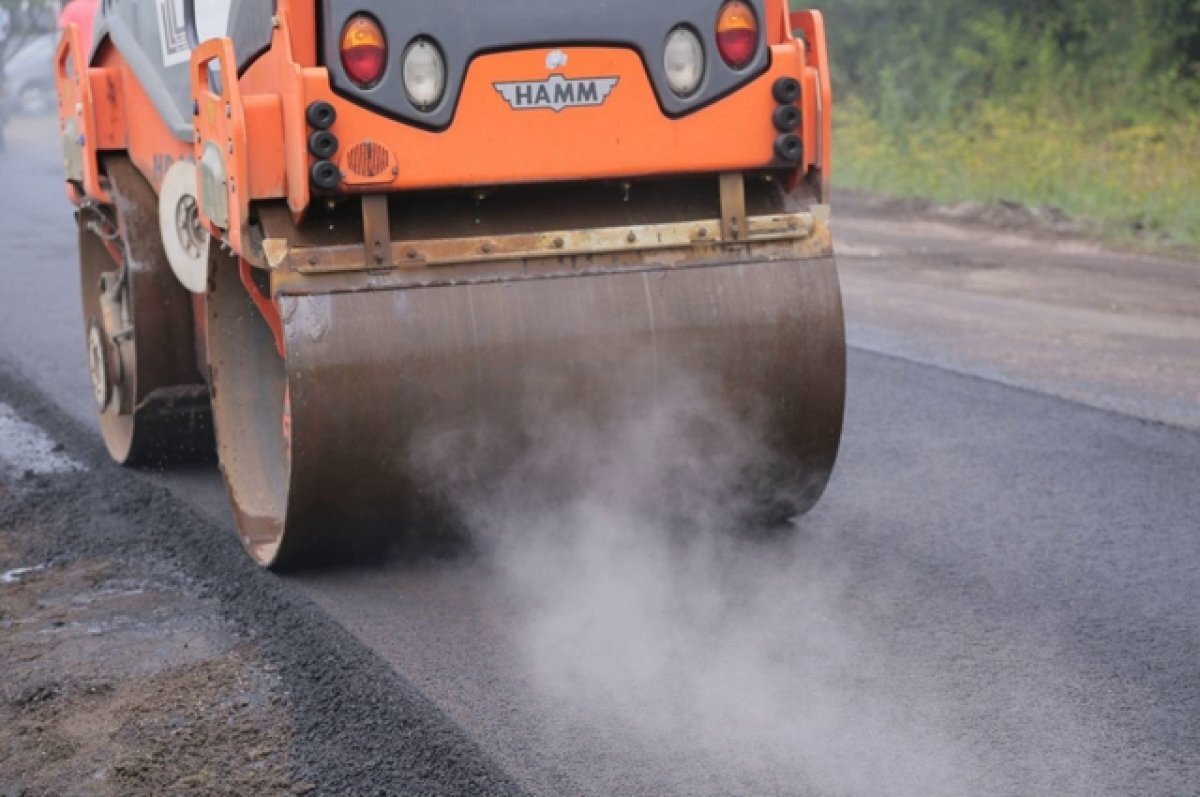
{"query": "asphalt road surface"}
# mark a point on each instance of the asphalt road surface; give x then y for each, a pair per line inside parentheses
(998, 595)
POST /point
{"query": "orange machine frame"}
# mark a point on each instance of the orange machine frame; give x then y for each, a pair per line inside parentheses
(258, 121)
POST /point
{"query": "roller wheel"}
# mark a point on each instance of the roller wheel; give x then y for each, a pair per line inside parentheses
(350, 442)
(138, 331)
(352, 417)
(253, 420)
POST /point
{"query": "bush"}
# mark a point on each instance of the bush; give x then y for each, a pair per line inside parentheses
(1084, 104)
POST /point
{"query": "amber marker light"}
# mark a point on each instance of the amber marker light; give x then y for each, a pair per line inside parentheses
(737, 33)
(364, 50)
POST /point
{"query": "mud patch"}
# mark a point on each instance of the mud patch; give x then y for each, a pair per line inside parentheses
(119, 680)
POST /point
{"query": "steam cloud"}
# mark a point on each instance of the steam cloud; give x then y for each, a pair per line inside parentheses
(650, 609)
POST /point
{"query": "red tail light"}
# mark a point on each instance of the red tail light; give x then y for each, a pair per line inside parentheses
(364, 50)
(737, 33)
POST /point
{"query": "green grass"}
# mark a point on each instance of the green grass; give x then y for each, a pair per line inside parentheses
(1123, 175)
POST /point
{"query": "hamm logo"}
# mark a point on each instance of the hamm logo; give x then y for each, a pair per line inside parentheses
(556, 93)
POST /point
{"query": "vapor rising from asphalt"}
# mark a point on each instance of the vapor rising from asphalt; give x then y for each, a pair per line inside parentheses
(650, 610)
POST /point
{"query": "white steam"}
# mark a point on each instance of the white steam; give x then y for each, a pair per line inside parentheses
(650, 611)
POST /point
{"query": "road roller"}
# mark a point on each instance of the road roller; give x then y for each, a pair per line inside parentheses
(358, 250)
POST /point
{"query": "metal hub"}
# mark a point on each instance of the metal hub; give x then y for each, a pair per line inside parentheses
(192, 235)
(98, 366)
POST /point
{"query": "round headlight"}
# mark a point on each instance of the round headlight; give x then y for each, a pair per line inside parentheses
(424, 73)
(683, 61)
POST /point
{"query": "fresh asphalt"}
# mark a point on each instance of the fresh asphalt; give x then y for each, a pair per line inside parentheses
(998, 595)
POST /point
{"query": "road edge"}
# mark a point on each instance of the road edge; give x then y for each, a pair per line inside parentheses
(360, 727)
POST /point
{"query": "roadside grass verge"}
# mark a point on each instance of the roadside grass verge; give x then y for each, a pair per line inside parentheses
(1134, 179)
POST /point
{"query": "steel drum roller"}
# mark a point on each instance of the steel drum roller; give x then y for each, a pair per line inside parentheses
(381, 383)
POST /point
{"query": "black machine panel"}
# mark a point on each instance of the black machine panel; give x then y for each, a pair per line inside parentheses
(467, 28)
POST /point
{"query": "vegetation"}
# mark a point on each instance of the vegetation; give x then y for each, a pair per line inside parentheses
(1089, 105)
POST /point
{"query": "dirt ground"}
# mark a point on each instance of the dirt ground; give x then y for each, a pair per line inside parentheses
(117, 681)
(1014, 295)
(142, 653)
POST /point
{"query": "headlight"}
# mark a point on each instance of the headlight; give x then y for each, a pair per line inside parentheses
(684, 61)
(424, 73)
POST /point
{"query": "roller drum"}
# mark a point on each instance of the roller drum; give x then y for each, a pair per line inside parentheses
(394, 396)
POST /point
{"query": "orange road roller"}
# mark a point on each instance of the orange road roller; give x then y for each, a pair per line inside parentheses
(345, 238)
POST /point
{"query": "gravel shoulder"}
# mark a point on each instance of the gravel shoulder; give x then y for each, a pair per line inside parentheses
(1047, 223)
(144, 655)
(1017, 300)
(120, 681)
